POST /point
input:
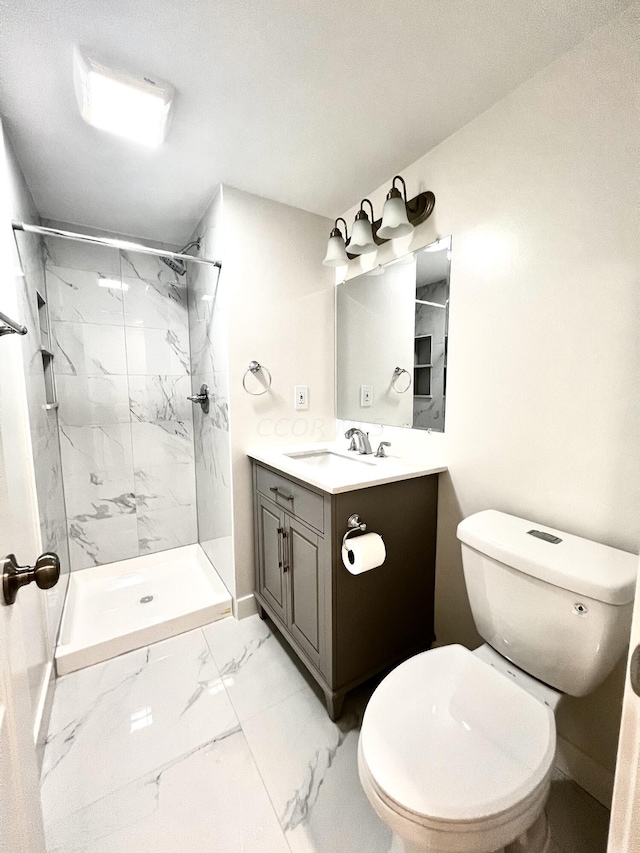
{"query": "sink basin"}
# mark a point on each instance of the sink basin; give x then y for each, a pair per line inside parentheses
(328, 460)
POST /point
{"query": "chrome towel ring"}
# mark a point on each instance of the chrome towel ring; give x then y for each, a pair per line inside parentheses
(256, 367)
(397, 373)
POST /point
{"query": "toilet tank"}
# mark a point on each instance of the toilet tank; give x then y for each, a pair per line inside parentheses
(556, 605)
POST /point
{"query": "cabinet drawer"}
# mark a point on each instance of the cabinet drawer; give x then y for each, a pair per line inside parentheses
(301, 502)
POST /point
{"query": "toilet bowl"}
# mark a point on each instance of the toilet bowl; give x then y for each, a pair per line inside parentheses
(456, 747)
(456, 758)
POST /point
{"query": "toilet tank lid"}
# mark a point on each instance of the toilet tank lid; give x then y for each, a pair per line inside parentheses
(580, 565)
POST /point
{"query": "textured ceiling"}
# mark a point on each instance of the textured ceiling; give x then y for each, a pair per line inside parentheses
(309, 103)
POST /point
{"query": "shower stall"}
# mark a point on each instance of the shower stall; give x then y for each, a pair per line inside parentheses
(129, 334)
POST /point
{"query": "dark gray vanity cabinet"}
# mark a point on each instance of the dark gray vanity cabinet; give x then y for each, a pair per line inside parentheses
(345, 628)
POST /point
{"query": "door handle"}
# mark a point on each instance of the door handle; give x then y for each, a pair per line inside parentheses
(634, 671)
(45, 573)
(279, 548)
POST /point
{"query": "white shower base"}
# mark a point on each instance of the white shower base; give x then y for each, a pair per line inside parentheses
(123, 606)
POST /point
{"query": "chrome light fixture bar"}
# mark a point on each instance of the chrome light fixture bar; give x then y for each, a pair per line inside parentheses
(125, 245)
(400, 216)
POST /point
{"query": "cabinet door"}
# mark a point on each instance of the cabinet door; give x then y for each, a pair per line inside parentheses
(305, 559)
(271, 582)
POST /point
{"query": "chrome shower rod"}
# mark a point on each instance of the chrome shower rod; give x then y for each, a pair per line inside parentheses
(125, 245)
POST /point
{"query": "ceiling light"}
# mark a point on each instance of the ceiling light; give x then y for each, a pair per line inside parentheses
(395, 222)
(134, 107)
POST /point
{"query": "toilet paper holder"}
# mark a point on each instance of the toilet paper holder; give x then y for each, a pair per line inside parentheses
(354, 524)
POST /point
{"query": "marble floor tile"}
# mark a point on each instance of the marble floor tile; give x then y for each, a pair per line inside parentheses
(210, 799)
(122, 719)
(579, 824)
(256, 669)
(214, 740)
(316, 791)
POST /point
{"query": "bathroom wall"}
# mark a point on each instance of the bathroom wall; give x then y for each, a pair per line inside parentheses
(121, 344)
(281, 313)
(540, 194)
(43, 422)
(208, 318)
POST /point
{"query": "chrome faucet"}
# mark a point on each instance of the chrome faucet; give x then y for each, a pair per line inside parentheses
(362, 439)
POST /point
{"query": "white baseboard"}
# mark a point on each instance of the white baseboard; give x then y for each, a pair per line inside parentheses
(595, 779)
(245, 606)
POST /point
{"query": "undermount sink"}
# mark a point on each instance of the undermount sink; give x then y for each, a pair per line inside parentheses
(327, 459)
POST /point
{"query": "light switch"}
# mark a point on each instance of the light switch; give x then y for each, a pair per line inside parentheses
(301, 397)
(366, 395)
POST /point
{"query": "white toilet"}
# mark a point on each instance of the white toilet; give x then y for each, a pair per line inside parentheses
(457, 747)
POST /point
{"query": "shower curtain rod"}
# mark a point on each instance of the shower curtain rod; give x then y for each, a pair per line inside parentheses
(110, 241)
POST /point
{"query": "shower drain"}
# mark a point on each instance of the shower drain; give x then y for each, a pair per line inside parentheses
(146, 599)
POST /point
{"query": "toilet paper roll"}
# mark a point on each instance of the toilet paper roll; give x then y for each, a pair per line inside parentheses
(364, 553)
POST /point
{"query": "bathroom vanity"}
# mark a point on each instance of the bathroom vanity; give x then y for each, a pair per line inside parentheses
(345, 628)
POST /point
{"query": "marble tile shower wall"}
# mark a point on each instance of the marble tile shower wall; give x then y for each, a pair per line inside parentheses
(120, 339)
(43, 426)
(208, 335)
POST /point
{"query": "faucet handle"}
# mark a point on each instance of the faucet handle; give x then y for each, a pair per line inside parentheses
(380, 452)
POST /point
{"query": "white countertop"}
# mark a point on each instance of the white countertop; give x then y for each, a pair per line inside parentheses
(334, 469)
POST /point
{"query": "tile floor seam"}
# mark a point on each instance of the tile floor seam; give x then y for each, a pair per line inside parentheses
(161, 767)
(262, 781)
(268, 707)
(156, 771)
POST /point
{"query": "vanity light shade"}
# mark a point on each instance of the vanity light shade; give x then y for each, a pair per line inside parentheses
(395, 222)
(336, 251)
(362, 242)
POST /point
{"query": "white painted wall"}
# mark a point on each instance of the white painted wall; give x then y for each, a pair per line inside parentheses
(540, 194)
(281, 313)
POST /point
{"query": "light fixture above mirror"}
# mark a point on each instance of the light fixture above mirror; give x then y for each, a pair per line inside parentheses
(336, 247)
(362, 242)
(395, 222)
(399, 218)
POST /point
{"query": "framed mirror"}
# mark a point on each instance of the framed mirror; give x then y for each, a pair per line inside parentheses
(392, 340)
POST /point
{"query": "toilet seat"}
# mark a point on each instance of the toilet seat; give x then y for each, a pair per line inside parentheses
(450, 744)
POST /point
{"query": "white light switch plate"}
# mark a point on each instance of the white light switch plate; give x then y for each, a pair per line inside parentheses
(301, 397)
(366, 395)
